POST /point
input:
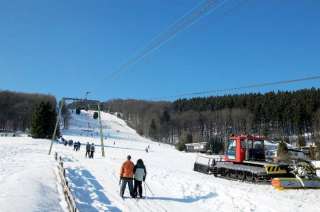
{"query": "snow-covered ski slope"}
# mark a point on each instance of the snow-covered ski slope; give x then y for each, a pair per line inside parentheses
(28, 181)
(174, 185)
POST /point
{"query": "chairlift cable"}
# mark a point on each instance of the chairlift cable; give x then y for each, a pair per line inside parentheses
(183, 23)
(223, 91)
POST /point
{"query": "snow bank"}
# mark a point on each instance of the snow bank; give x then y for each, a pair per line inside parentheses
(27, 178)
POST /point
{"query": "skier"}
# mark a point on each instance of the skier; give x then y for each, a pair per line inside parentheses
(78, 145)
(126, 176)
(92, 150)
(88, 150)
(140, 174)
(75, 146)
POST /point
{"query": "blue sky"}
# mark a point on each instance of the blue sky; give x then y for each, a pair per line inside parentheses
(66, 48)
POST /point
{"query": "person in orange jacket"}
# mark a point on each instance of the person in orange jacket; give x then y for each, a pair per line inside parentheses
(126, 176)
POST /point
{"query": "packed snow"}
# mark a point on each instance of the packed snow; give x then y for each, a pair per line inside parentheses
(27, 176)
(172, 185)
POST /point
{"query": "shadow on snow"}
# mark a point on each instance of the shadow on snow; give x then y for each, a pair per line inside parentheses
(186, 199)
(89, 192)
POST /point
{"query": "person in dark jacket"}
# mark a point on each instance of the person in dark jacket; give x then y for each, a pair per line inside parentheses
(78, 146)
(92, 150)
(75, 146)
(70, 142)
(140, 174)
(87, 149)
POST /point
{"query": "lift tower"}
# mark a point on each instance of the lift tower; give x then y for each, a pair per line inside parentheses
(62, 102)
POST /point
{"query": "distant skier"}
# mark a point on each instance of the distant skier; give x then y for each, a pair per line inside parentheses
(140, 174)
(78, 145)
(92, 149)
(70, 142)
(147, 150)
(75, 146)
(126, 176)
(88, 150)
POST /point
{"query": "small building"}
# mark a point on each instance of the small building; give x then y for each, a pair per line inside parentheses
(197, 147)
(7, 133)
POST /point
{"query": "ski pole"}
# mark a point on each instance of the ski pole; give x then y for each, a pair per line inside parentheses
(146, 185)
(145, 190)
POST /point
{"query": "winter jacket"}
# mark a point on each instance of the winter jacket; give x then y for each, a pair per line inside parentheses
(127, 169)
(88, 147)
(92, 148)
(140, 172)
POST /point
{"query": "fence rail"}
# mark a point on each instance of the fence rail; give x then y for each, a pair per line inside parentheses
(65, 185)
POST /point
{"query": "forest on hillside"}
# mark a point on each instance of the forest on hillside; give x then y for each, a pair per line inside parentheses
(16, 109)
(277, 115)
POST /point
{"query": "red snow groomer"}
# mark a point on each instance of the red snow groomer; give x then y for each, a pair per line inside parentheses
(244, 160)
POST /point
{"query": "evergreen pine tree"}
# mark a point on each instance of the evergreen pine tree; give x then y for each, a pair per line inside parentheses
(216, 145)
(43, 121)
(184, 140)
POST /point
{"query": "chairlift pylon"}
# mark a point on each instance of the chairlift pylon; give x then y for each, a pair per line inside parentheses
(62, 102)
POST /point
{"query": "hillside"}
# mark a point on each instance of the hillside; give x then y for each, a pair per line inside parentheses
(95, 182)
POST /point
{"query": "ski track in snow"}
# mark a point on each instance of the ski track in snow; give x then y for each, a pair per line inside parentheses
(95, 182)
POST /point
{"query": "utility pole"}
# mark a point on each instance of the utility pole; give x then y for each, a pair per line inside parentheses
(59, 117)
(101, 131)
(57, 125)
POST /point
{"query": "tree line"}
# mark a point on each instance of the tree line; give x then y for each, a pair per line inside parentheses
(277, 115)
(16, 109)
